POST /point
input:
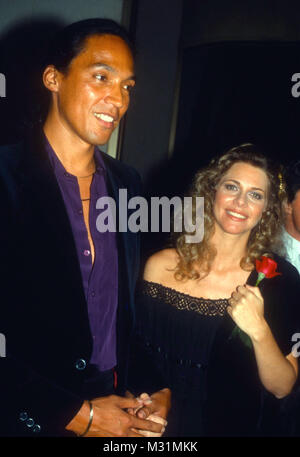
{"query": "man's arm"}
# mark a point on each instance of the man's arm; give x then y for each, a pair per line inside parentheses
(32, 404)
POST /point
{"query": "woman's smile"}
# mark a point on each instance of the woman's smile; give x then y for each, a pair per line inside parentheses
(241, 198)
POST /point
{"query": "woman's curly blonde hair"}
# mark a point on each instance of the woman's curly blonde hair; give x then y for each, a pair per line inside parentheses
(264, 237)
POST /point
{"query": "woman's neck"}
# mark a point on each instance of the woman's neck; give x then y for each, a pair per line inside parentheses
(230, 250)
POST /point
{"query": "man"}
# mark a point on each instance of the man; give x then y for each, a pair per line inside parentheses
(291, 236)
(67, 290)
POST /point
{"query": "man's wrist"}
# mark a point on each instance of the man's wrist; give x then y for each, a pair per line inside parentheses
(90, 420)
(79, 422)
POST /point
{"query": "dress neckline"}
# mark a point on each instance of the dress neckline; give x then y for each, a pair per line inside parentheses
(249, 281)
(185, 294)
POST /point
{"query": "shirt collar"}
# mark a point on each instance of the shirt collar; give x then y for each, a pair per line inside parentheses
(291, 241)
(60, 169)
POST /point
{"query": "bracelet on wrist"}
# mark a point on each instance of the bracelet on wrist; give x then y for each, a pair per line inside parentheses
(90, 420)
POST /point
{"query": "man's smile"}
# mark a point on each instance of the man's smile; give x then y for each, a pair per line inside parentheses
(106, 119)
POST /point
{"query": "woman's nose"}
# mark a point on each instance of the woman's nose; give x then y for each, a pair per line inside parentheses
(241, 199)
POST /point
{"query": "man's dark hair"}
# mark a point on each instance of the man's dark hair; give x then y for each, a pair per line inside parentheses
(292, 179)
(70, 41)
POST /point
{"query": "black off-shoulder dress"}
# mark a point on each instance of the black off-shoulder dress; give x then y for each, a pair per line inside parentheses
(185, 343)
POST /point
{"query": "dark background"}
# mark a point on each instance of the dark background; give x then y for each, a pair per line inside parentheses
(233, 93)
(210, 75)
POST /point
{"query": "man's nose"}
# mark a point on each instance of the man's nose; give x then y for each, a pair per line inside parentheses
(115, 96)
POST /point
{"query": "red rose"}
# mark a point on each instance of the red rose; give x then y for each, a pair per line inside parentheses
(266, 268)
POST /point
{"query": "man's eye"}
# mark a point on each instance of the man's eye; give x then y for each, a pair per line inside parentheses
(128, 87)
(100, 77)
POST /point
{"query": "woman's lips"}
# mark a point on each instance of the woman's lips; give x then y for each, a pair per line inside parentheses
(236, 216)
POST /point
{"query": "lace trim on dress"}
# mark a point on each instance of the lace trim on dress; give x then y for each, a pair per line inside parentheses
(184, 301)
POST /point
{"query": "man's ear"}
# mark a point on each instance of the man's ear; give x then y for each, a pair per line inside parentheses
(287, 207)
(51, 78)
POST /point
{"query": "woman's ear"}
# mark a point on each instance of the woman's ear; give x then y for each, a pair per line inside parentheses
(51, 77)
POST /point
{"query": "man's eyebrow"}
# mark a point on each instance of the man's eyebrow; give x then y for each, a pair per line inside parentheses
(238, 182)
(108, 68)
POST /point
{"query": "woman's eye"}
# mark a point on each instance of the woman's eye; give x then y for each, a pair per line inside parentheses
(256, 195)
(230, 186)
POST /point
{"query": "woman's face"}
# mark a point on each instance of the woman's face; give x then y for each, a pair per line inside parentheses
(241, 198)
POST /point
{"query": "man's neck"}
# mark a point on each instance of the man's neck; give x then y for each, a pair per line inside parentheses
(291, 230)
(76, 156)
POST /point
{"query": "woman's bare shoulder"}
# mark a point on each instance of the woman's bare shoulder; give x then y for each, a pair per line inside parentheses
(160, 265)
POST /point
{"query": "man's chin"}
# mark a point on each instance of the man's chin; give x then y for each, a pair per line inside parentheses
(98, 140)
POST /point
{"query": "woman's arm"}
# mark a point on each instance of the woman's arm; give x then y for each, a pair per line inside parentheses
(277, 373)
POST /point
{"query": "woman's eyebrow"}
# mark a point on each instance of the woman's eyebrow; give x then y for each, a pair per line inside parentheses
(238, 182)
(258, 188)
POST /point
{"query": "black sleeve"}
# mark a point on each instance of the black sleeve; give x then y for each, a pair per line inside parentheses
(282, 305)
(283, 312)
(24, 393)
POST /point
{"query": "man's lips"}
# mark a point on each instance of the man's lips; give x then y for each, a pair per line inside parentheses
(106, 119)
(235, 215)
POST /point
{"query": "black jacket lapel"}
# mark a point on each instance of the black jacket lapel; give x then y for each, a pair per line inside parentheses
(41, 197)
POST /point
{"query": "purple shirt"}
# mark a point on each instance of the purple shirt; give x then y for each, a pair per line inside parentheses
(100, 280)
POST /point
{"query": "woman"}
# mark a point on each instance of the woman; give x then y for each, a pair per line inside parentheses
(193, 295)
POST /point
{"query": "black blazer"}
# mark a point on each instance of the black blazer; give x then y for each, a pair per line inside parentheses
(43, 312)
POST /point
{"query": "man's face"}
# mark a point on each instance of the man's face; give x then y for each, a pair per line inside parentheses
(94, 95)
(295, 205)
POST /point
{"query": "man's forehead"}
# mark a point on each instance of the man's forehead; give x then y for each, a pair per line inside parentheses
(106, 50)
(106, 43)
